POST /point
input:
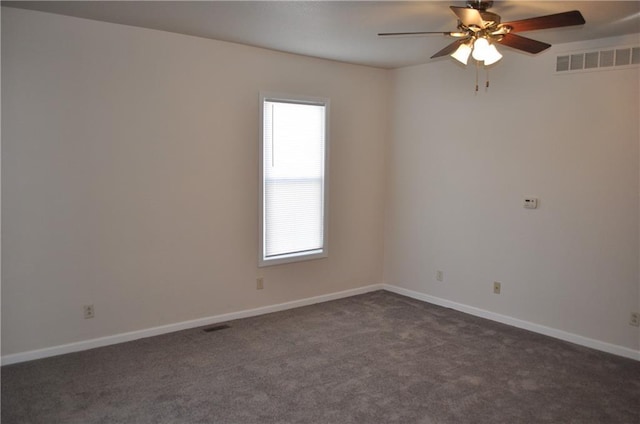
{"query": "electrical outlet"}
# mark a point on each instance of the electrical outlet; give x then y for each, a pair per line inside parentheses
(635, 319)
(496, 287)
(259, 283)
(89, 312)
(439, 275)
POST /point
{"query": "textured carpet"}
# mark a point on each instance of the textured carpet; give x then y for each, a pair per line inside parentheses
(374, 358)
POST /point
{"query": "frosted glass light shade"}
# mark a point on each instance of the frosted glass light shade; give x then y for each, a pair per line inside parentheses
(491, 55)
(480, 47)
(462, 54)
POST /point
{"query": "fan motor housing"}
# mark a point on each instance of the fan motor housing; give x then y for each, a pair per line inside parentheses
(479, 5)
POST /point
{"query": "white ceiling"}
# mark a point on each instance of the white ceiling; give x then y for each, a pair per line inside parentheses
(342, 30)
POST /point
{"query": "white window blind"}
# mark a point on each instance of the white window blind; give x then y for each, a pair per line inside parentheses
(293, 179)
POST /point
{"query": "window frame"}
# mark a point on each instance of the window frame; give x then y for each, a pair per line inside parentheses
(323, 252)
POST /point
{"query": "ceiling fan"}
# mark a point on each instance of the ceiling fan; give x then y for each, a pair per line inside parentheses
(478, 30)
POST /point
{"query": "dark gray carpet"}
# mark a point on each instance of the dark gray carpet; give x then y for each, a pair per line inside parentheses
(374, 358)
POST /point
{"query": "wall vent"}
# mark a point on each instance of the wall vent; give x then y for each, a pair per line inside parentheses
(216, 328)
(608, 58)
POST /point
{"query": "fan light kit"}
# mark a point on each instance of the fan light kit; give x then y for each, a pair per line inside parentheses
(480, 49)
(479, 30)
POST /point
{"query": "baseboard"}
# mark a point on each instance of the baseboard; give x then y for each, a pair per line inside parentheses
(526, 325)
(155, 331)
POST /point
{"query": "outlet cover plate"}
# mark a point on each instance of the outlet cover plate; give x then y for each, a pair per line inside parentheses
(89, 311)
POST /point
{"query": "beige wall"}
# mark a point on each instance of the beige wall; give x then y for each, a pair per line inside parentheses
(460, 165)
(130, 180)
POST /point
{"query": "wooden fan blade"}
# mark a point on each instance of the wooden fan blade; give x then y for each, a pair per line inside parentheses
(405, 34)
(549, 21)
(449, 48)
(523, 43)
(468, 17)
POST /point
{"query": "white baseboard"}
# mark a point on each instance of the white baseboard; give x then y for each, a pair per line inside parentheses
(536, 328)
(155, 331)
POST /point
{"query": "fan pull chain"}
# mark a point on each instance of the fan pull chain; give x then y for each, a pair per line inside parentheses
(477, 70)
(487, 75)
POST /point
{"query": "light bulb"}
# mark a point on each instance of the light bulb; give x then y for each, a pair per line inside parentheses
(480, 47)
(492, 55)
(462, 53)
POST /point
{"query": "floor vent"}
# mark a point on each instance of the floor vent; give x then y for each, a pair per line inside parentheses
(608, 58)
(216, 328)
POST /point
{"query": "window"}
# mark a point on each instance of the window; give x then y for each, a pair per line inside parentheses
(293, 178)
